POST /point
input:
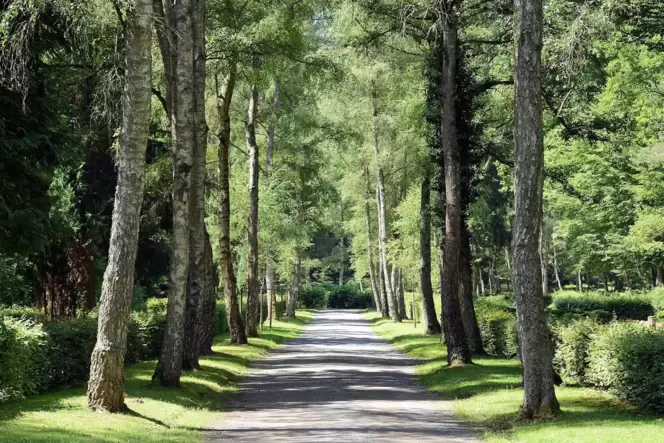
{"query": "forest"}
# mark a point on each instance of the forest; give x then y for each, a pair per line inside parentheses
(186, 185)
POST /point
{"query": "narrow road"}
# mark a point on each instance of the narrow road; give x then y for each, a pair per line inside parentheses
(337, 382)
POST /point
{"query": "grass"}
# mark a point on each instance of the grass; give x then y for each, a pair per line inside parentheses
(488, 393)
(157, 414)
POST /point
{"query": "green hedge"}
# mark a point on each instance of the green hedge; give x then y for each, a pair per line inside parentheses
(346, 296)
(628, 360)
(37, 357)
(498, 329)
(601, 306)
(572, 344)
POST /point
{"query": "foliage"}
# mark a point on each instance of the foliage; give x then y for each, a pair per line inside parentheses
(627, 359)
(623, 306)
(346, 296)
(571, 355)
(498, 330)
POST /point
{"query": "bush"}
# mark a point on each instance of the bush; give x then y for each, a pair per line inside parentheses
(498, 330)
(313, 297)
(628, 360)
(571, 356)
(348, 296)
(624, 306)
(22, 346)
(37, 357)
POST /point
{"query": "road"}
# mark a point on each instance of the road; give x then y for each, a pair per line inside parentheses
(337, 382)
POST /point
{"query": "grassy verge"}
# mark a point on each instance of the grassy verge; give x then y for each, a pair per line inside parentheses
(158, 414)
(488, 393)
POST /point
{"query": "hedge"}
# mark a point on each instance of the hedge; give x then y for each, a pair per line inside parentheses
(346, 296)
(37, 357)
(604, 307)
(497, 328)
(627, 359)
(571, 354)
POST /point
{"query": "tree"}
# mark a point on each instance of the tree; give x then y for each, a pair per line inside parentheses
(534, 340)
(375, 290)
(455, 336)
(233, 315)
(106, 384)
(184, 135)
(429, 317)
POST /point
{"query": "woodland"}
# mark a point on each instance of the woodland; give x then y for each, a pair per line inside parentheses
(179, 175)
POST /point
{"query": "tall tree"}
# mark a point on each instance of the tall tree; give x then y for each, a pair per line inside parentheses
(455, 336)
(375, 291)
(253, 296)
(382, 223)
(233, 315)
(429, 317)
(270, 271)
(169, 367)
(106, 384)
(197, 270)
(535, 343)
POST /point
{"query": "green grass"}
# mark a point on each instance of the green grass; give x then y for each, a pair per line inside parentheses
(488, 393)
(157, 414)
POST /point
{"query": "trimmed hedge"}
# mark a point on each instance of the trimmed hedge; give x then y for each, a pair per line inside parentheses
(346, 296)
(498, 329)
(628, 360)
(572, 345)
(604, 307)
(37, 357)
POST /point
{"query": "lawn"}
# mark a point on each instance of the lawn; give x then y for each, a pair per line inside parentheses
(489, 393)
(157, 414)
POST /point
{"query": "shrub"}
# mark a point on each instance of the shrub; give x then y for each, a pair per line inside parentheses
(624, 306)
(146, 331)
(498, 330)
(313, 297)
(348, 297)
(22, 345)
(573, 341)
(628, 360)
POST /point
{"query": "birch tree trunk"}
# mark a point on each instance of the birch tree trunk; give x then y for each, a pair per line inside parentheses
(535, 343)
(383, 291)
(270, 272)
(233, 311)
(106, 384)
(197, 278)
(429, 317)
(251, 322)
(544, 262)
(372, 271)
(401, 301)
(183, 117)
(382, 223)
(455, 336)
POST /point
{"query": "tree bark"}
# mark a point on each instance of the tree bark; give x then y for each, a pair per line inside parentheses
(197, 277)
(401, 300)
(209, 305)
(251, 322)
(455, 336)
(164, 26)
(295, 292)
(382, 223)
(270, 272)
(170, 363)
(106, 384)
(544, 262)
(233, 311)
(535, 343)
(383, 291)
(375, 290)
(555, 268)
(466, 303)
(429, 317)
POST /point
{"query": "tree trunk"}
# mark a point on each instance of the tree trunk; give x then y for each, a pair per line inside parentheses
(164, 27)
(544, 262)
(233, 310)
(534, 340)
(375, 290)
(429, 317)
(197, 278)
(184, 132)
(251, 325)
(555, 268)
(579, 281)
(295, 293)
(209, 305)
(270, 271)
(659, 275)
(455, 336)
(106, 384)
(401, 301)
(466, 294)
(383, 291)
(382, 223)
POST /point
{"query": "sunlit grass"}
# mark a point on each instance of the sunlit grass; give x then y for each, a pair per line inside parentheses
(157, 414)
(488, 392)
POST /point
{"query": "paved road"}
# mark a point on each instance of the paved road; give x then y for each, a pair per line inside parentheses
(337, 382)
